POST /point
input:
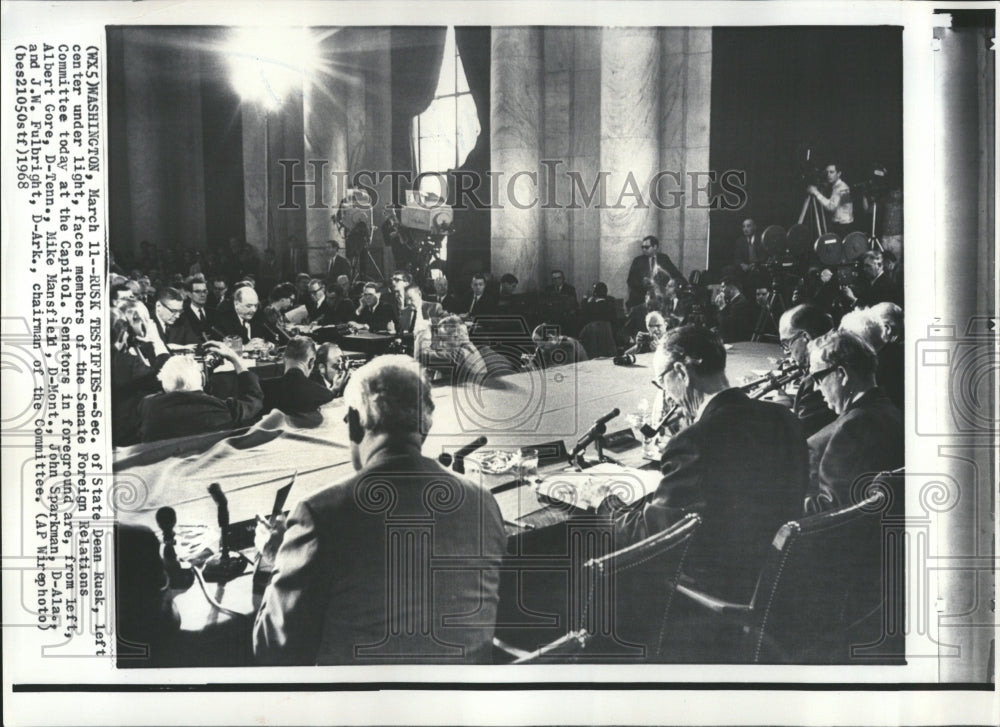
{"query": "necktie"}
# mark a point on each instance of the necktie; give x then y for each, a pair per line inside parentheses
(474, 299)
(246, 325)
(652, 264)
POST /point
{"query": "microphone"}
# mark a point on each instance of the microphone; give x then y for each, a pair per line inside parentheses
(597, 430)
(222, 568)
(458, 460)
(276, 334)
(180, 578)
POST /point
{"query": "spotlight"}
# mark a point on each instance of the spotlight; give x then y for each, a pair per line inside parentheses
(266, 64)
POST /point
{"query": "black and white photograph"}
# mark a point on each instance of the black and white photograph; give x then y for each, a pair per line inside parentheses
(456, 348)
(689, 289)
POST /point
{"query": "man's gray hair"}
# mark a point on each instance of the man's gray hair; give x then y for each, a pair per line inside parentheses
(392, 395)
(180, 373)
(865, 325)
(843, 348)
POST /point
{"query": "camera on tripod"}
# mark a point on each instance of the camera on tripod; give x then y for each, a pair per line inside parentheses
(875, 184)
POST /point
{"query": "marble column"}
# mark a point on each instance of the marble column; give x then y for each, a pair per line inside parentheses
(629, 139)
(325, 125)
(274, 210)
(515, 141)
(685, 111)
(571, 146)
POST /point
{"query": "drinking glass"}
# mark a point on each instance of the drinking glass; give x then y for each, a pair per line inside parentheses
(528, 466)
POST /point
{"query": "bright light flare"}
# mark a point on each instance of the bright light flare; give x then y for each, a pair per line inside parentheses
(267, 64)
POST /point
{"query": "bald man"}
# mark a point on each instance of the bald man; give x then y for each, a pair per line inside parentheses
(242, 320)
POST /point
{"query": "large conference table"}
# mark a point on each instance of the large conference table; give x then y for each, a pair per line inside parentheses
(523, 409)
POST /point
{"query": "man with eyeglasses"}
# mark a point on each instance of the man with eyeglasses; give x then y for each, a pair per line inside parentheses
(372, 313)
(866, 437)
(168, 308)
(218, 293)
(193, 323)
(742, 465)
(646, 267)
(797, 327)
(329, 307)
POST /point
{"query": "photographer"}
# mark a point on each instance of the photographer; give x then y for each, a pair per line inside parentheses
(184, 408)
(880, 289)
(137, 355)
(838, 205)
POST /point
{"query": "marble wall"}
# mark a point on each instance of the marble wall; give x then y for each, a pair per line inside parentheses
(624, 103)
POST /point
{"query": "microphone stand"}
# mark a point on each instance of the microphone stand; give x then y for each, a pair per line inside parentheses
(576, 459)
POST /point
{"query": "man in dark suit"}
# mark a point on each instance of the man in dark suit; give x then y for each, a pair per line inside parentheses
(218, 293)
(880, 288)
(337, 587)
(167, 311)
(646, 267)
(866, 437)
(742, 465)
(296, 393)
(373, 313)
(558, 287)
(329, 307)
(184, 408)
(480, 302)
(797, 327)
(449, 300)
(193, 323)
(336, 265)
(241, 320)
(737, 315)
(748, 250)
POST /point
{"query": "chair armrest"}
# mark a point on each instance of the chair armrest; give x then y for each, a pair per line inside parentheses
(713, 604)
(571, 642)
(508, 649)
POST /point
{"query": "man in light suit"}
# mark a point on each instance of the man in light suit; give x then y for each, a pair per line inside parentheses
(336, 588)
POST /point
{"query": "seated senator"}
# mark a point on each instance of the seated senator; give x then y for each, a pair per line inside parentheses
(866, 437)
(338, 591)
(742, 465)
(183, 408)
(296, 393)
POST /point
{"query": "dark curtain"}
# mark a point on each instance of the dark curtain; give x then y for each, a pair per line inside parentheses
(415, 67)
(777, 90)
(119, 201)
(469, 245)
(222, 144)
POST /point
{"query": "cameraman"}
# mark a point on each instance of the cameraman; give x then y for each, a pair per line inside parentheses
(838, 205)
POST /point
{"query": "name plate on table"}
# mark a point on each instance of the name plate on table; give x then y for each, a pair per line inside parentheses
(586, 489)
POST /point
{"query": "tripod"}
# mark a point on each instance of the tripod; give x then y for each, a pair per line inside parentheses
(362, 253)
(811, 205)
(767, 318)
(873, 241)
